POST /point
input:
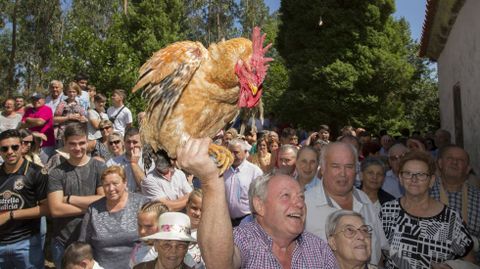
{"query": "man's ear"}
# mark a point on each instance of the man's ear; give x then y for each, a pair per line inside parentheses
(85, 263)
(258, 206)
(332, 243)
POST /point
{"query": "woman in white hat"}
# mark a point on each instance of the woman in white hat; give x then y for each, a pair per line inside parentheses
(171, 242)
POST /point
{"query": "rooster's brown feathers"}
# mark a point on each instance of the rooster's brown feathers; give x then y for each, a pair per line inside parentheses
(191, 91)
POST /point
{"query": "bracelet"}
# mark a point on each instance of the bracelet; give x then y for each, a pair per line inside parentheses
(68, 199)
(11, 214)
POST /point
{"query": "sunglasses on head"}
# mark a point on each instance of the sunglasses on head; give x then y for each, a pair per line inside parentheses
(6, 148)
(116, 142)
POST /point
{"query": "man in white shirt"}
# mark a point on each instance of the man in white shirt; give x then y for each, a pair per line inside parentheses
(336, 191)
(167, 184)
(118, 113)
(237, 181)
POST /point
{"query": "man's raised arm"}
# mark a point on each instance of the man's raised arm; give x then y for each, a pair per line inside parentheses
(215, 234)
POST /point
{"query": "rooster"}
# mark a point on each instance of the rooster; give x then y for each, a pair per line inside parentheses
(195, 92)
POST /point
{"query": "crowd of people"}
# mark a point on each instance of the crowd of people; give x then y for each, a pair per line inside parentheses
(74, 178)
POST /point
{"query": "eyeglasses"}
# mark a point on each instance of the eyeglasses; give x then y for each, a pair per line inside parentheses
(26, 142)
(419, 176)
(167, 246)
(106, 128)
(350, 231)
(116, 142)
(6, 148)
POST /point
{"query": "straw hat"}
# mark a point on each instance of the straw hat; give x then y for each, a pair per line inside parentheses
(172, 226)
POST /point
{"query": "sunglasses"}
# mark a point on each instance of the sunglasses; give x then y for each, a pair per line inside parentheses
(116, 142)
(106, 128)
(25, 142)
(6, 148)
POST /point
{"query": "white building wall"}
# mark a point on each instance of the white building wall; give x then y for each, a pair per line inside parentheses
(460, 62)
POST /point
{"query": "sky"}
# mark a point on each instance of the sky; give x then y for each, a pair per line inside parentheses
(412, 10)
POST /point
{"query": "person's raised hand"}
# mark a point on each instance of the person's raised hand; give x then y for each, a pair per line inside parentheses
(193, 157)
(135, 154)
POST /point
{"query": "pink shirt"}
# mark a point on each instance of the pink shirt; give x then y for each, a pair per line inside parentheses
(44, 112)
(237, 183)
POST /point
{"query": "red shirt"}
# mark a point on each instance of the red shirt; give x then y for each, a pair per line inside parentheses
(44, 112)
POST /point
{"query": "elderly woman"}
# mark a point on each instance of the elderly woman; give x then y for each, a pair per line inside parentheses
(115, 144)
(110, 224)
(100, 149)
(421, 231)
(9, 119)
(262, 157)
(171, 242)
(350, 239)
(372, 176)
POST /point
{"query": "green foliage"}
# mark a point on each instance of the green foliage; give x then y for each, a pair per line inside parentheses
(112, 55)
(356, 68)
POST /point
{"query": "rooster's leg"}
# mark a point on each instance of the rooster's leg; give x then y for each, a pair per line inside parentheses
(222, 155)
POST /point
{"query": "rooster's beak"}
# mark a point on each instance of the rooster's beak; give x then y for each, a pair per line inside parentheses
(253, 88)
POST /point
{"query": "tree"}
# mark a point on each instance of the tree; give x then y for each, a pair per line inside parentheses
(353, 68)
(252, 13)
(31, 26)
(210, 21)
(276, 82)
(110, 46)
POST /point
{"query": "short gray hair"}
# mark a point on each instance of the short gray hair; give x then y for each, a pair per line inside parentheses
(53, 82)
(334, 218)
(258, 188)
(238, 142)
(288, 147)
(327, 148)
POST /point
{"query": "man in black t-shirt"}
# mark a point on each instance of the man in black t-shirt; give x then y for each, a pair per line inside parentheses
(23, 188)
(72, 186)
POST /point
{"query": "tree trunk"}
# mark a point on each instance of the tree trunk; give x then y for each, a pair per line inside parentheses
(219, 35)
(11, 70)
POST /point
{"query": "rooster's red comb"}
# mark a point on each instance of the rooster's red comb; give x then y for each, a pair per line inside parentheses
(258, 61)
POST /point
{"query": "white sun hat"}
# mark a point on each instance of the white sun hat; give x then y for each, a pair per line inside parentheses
(172, 226)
